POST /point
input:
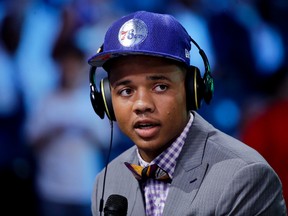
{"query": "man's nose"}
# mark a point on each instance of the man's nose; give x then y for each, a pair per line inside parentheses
(143, 102)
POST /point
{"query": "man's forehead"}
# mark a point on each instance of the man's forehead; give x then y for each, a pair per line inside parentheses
(138, 59)
(146, 73)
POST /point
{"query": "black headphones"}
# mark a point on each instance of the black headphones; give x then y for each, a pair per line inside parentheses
(197, 88)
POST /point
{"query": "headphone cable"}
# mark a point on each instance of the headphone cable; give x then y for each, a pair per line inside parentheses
(105, 171)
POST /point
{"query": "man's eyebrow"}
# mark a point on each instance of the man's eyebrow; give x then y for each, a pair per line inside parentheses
(157, 77)
(123, 82)
(152, 77)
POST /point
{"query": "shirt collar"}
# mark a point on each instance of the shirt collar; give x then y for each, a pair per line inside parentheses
(168, 158)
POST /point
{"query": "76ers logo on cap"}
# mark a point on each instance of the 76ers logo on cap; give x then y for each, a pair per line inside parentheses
(132, 33)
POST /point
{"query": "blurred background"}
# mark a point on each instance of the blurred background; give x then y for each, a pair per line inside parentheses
(52, 144)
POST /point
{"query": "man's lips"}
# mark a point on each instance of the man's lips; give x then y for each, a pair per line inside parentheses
(146, 128)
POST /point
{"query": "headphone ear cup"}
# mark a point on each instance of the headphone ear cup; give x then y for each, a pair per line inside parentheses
(194, 88)
(96, 101)
(107, 100)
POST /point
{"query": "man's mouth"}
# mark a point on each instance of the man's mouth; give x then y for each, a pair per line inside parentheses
(146, 129)
(144, 125)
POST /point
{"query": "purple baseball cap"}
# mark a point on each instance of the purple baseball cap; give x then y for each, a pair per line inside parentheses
(145, 33)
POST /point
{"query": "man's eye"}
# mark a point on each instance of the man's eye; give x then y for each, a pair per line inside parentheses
(125, 92)
(161, 88)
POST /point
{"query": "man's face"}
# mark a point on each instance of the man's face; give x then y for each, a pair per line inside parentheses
(149, 101)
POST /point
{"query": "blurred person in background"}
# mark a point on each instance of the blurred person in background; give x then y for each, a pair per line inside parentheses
(16, 162)
(67, 141)
(265, 125)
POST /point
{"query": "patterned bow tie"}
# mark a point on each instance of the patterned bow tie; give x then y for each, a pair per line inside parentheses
(152, 171)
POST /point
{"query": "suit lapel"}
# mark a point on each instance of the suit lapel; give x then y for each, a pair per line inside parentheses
(135, 197)
(189, 171)
(132, 189)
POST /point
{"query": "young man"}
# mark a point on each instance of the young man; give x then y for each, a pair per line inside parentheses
(152, 92)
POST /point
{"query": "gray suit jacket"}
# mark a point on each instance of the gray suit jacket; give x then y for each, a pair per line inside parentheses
(215, 175)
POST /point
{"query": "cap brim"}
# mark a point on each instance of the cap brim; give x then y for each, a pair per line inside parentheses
(100, 58)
